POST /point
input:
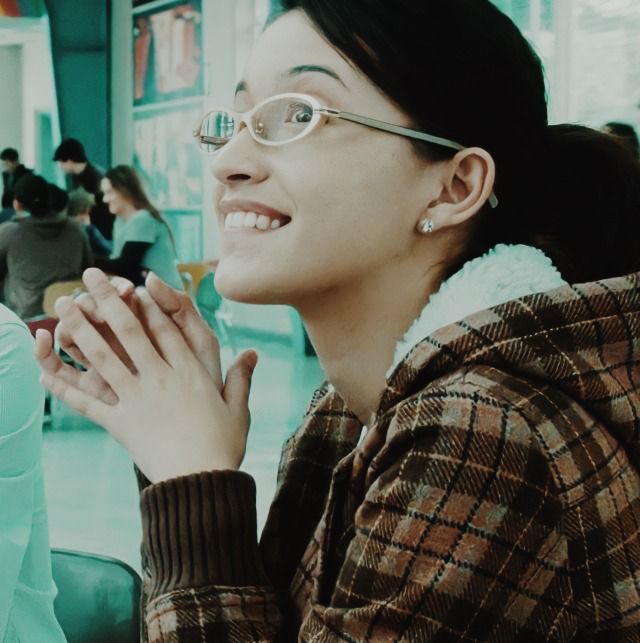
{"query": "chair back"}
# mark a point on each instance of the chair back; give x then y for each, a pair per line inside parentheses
(192, 274)
(98, 598)
(59, 289)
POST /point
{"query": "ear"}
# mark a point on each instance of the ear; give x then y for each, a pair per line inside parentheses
(466, 188)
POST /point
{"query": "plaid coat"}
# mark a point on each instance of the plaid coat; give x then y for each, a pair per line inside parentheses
(496, 498)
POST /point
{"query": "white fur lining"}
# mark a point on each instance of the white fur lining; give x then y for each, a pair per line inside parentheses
(504, 273)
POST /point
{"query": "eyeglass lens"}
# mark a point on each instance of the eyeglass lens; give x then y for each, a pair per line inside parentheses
(276, 121)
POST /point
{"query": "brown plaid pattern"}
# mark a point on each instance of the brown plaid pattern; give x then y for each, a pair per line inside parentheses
(496, 499)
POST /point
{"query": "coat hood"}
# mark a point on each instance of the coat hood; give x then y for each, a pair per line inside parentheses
(46, 227)
(583, 339)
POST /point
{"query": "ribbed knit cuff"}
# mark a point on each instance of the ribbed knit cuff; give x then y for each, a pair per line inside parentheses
(200, 530)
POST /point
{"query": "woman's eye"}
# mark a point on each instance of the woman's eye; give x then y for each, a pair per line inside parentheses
(298, 113)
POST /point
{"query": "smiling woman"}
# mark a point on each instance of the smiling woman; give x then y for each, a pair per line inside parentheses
(470, 471)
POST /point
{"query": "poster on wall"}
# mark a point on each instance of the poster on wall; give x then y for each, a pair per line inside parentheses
(21, 9)
(167, 52)
(167, 156)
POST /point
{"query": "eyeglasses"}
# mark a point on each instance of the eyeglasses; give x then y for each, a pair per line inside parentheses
(286, 118)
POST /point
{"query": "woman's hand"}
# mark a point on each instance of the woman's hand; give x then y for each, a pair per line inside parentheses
(170, 408)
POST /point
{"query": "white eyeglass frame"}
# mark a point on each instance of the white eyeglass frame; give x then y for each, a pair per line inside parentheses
(320, 112)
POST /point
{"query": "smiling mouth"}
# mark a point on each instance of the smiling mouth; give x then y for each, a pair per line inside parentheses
(252, 221)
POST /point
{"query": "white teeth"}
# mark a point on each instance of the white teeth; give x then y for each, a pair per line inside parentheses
(263, 222)
(250, 220)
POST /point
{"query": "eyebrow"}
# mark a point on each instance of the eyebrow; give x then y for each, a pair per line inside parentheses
(297, 71)
(304, 69)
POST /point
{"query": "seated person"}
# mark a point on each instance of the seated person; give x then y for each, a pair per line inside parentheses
(39, 249)
(79, 210)
(142, 239)
(12, 172)
(26, 586)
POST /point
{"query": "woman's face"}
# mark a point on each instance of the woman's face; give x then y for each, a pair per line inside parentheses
(116, 201)
(352, 195)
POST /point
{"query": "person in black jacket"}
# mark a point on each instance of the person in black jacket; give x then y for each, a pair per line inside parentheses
(72, 159)
(12, 171)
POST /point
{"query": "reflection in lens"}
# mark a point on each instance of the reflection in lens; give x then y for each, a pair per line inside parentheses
(216, 129)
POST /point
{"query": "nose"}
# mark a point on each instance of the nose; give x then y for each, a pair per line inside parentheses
(240, 161)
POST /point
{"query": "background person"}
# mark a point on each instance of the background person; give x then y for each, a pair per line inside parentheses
(72, 159)
(142, 240)
(471, 473)
(12, 171)
(39, 249)
(79, 210)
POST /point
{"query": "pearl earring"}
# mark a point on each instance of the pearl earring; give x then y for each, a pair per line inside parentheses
(426, 226)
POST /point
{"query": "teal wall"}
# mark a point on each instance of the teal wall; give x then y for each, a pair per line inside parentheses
(80, 51)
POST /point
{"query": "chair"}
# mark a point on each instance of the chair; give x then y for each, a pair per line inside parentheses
(98, 598)
(59, 289)
(215, 310)
(192, 274)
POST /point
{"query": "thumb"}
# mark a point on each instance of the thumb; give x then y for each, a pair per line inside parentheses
(238, 381)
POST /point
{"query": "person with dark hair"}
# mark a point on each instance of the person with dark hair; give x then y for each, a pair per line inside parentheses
(626, 135)
(142, 239)
(12, 171)
(468, 276)
(39, 249)
(73, 161)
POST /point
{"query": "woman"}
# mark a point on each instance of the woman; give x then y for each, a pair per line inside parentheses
(142, 239)
(471, 471)
(41, 246)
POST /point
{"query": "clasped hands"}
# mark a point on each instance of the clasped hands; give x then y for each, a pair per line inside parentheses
(153, 377)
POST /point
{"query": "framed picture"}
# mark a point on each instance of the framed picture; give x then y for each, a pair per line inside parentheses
(167, 157)
(167, 52)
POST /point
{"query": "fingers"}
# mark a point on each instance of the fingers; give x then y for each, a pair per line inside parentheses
(93, 345)
(201, 340)
(124, 324)
(238, 383)
(78, 400)
(166, 336)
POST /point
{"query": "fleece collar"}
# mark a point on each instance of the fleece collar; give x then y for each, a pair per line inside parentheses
(504, 273)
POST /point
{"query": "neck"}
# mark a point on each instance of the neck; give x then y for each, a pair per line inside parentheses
(127, 211)
(355, 331)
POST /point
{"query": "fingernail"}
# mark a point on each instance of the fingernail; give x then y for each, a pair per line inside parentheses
(252, 361)
(63, 305)
(93, 277)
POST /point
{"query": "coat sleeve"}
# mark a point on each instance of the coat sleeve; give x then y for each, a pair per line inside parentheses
(455, 537)
(21, 408)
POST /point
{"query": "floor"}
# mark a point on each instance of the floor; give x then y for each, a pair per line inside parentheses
(91, 490)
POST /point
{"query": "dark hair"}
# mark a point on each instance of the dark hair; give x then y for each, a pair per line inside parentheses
(9, 154)
(70, 149)
(461, 69)
(125, 180)
(626, 135)
(34, 193)
(58, 197)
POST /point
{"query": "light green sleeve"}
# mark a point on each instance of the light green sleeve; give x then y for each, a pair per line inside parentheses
(26, 585)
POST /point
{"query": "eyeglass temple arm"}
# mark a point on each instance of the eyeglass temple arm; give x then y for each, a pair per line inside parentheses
(402, 131)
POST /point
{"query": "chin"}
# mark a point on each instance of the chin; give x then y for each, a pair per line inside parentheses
(243, 288)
